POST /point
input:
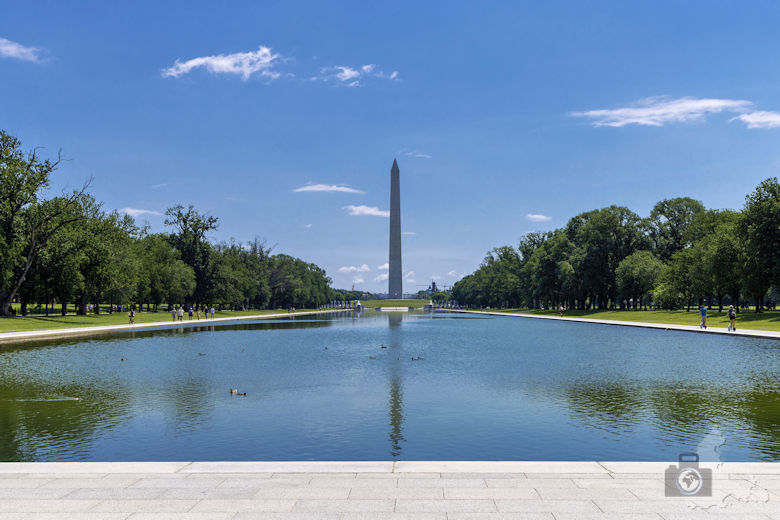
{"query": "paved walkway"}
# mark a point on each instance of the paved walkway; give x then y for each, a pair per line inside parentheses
(663, 326)
(100, 329)
(377, 490)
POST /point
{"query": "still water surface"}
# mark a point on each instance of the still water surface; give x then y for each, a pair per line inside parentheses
(488, 388)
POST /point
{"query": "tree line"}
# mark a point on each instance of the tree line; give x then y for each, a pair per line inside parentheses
(608, 258)
(69, 250)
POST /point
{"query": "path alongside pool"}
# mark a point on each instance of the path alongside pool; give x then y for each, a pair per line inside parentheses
(84, 331)
(377, 490)
(664, 326)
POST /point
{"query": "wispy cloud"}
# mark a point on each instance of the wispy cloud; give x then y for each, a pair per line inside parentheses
(658, 111)
(535, 217)
(418, 155)
(327, 188)
(367, 211)
(408, 233)
(11, 49)
(382, 277)
(307, 226)
(157, 186)
(354, 268)
(244, 64)
(137, 212)
(383, 267)
(452, 273)
(760, 119)
(358, 279)
(344, 75)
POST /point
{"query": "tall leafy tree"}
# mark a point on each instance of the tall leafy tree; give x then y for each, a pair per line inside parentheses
(669, 223)
(191, 228)
(27, 221)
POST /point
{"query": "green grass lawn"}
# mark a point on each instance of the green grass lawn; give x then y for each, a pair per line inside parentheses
(767, 320)
(20, 324)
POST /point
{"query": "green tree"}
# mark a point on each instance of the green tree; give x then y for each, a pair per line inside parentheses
(759, 227)
(636, 276)
(190, 239)
(669, 223)
(27, 222)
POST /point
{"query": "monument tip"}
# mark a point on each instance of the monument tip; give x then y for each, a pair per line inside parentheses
(394, 169)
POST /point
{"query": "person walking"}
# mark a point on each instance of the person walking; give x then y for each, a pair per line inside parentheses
(703, 312)
(198, 312)
(173, 312)
(132, 316)
(190, 312)
(181, 313)
(732, 318)
(212, 312)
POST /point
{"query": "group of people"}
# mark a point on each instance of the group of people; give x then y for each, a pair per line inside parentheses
(732, 317)
(178, 312)
(190, 311)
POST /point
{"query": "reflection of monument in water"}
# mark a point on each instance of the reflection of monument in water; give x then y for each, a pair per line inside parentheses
(395, 277)
(395, 401)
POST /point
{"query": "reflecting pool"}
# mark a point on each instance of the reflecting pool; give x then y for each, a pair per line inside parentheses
(323, 388)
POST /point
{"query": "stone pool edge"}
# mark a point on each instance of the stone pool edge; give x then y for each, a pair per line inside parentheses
(560, 467)
(753, 333)
(102, 329)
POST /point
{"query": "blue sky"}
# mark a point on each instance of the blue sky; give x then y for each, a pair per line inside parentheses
(505, 117)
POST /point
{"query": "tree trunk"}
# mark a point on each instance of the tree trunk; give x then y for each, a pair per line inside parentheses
(64, 310)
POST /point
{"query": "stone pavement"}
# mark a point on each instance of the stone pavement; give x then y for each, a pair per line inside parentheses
(378, 490)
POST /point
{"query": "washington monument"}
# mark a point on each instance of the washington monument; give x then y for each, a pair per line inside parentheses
(395, 286)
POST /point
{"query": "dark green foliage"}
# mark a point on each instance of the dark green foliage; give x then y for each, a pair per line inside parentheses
(682, 255)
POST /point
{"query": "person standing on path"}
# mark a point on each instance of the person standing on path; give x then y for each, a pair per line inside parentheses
(173, 312)
(181, 313)
(212, 312)
(132, 316)
(732, 318)
(703, 312)
(190, 312)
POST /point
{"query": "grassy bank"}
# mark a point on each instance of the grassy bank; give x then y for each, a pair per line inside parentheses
(769, 320)
(27, 323)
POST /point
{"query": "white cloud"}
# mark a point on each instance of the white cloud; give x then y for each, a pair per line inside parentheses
(383, 267)
(408, 233)
(358, 279)
(367, 210)
(242, 63)
(760, 119)
(535, 217)
(410, 274)
(418, 155)
(382, 277)
(327, 188)
(657, 111)
(352, 76)
(307, 226)
(161, 185)
(11, 49)
(452, 273)
(354, 268)
(136, 212)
